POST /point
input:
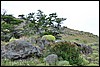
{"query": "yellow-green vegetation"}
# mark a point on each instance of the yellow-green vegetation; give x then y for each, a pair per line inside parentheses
(85, 62)
(48, 37)
(63, 63)
(12, 39)
(3, 43)
(94, 47)
(97, 58)
(92, 64)
(41, 64)
(7, 62)
(95, 54)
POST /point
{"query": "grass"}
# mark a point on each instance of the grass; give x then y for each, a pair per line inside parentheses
(80, 37)
(95, 47)
(7, 62)
(92, 64)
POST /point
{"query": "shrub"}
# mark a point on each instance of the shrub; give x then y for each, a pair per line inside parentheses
(48, 37)
(67, 51)
(77, 39)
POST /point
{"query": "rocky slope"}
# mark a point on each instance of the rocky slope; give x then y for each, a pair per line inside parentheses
(79, 36)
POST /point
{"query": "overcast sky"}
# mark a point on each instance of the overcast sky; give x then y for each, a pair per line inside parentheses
(81, 15)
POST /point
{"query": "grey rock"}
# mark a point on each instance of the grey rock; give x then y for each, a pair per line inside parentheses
(19, 49)
(51, 59)
(12, 55)
(43, 43)
(86, 50)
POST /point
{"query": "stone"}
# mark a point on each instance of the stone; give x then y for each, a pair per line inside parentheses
(85, 49)
(19, 49)
(51, 59)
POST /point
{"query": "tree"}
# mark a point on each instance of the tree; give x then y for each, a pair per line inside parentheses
(39, 21)
(7, 18)
(58, 21)
(8, 25)
(21, 16)
(34, 23)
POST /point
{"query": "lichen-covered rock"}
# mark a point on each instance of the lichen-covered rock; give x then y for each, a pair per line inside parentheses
(48, 37)
(19, 49)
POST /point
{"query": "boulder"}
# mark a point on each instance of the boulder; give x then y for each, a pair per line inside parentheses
(51, 59)
(19, 49)
(86, 49)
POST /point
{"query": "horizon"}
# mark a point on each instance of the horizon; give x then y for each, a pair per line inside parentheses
(79, 16)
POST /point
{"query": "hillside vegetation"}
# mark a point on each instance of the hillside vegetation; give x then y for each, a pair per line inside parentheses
(79, 36)
(39, 40)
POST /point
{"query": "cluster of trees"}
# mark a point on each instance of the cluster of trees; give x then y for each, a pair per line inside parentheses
(35, 23)
(8, 23)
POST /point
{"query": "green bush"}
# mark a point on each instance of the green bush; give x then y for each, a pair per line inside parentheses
(77, 39)
(48, 37)
(67, 51)
(16, 21)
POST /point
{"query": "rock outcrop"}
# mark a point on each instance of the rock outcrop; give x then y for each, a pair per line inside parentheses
(84, 48)
(19, 49)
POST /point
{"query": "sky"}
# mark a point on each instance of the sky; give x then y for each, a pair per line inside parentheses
(81, 15)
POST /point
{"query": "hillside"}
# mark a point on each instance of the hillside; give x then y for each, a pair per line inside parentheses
(79, 36)
(37, 41)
